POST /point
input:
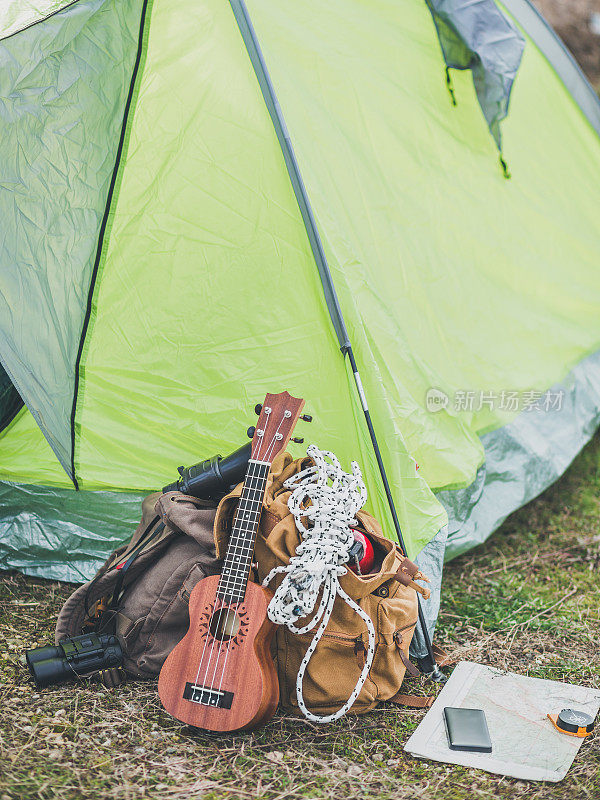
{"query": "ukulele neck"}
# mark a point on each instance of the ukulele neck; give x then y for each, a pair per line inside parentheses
(240, 551)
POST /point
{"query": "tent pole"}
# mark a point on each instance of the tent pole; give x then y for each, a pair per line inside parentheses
(246, 28)
(428, 664)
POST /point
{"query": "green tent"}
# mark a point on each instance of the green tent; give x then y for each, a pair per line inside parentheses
(202, 202)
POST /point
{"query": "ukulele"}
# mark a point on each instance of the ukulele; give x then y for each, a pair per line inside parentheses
(221, 676)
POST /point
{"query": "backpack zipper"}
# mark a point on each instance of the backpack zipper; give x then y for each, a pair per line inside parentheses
(397, 635)
(356, 641)
(345, 638)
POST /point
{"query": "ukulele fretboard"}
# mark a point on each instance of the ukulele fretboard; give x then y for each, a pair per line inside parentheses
(238, 560)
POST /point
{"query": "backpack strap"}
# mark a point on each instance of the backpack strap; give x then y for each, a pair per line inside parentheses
(408, 573)
(411, 700)
(95, 616)
(410, 667)
(123, 567)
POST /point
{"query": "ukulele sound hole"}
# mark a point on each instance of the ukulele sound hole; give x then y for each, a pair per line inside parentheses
(224, 624)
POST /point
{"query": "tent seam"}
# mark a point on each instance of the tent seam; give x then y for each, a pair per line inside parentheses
(105, 227)
(31, 24)
(246, 30)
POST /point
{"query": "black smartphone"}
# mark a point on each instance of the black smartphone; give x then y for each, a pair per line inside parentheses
(467, 729)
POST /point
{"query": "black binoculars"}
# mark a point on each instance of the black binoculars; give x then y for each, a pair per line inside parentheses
(72, 658)
(213, 478)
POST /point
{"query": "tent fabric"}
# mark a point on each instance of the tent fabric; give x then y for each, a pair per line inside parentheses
(47, 529)
(479, 37)
(63, 85)
(222, 204)
(525, 457)
(431, 562)
(27, 456)
(49, 532)
(177, 284)
(262, 74)
(457, 230)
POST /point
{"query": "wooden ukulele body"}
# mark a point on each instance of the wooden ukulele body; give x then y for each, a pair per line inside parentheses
(221, 675)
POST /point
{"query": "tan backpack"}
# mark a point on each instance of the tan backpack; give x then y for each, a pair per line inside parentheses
(336, 664)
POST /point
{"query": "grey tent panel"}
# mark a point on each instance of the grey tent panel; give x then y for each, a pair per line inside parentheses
(431, 562)
(60, 119)
(525, 457)
(535, 26)
(60, 533)
(476, 35)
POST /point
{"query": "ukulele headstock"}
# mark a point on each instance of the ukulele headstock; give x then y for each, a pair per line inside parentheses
(276, 421)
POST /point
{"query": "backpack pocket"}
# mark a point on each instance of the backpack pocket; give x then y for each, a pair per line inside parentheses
(390, 662)
(158, 608)
(331, 674)
(335, 667)
(166, 627)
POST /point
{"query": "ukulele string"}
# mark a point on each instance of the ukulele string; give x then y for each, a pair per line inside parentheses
(266, 458)
(254, 455)
(230, 584)
(274, 439)
(229, 644)
(208, 627)
(225, 608)
(216, 628)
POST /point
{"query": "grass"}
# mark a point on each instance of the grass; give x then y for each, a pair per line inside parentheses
(528, 600)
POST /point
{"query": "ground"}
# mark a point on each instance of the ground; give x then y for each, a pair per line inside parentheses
(528, 600)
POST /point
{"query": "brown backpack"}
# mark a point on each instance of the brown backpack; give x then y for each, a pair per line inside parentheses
(141, 592)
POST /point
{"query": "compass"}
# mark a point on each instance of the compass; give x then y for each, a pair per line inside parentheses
(573, 722)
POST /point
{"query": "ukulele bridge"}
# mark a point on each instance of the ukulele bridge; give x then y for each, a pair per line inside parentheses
(207, 696)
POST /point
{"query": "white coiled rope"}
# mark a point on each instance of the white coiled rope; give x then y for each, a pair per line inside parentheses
(328, 499)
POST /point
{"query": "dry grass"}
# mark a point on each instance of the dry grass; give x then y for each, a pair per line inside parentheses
(500, 608)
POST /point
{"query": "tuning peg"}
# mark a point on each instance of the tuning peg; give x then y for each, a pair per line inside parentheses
(250, 431)
(258, 408)
(306, 418)
(298, 439)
